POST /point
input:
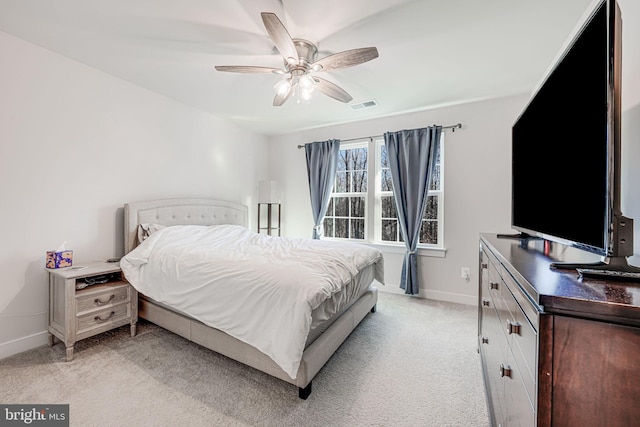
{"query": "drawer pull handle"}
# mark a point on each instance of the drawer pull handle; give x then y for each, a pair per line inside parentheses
(513, 327)
(99, 319)
(485, 340)
(493, 285)
(485, 303)
(505, 371)
(484, 265)
(97, 301)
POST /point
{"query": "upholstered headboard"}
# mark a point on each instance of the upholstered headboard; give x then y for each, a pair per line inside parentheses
(179, 212)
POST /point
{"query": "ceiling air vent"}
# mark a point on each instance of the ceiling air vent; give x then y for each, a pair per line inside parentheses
(362, 105)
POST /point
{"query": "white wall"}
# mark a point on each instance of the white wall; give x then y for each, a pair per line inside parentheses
(75, 145)
(631, 118)
(477, 187)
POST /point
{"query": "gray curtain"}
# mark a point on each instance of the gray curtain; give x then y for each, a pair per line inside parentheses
(322, 161)
(411, 156)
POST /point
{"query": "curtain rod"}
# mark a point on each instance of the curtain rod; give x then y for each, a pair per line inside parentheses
(452, 127)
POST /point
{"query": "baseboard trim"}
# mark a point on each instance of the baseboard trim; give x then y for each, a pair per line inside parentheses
(23, 344)
(434, 295)
(450, 297)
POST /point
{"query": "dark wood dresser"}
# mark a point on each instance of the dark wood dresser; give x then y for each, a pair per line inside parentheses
(556, 350)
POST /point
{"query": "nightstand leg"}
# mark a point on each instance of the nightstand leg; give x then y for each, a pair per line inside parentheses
(52, 340)
(69, 353)
(133, 329)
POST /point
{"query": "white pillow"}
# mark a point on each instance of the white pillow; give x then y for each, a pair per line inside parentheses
(146, 230)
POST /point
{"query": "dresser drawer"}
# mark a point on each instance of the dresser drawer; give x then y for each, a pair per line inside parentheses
(495, 289)
(107, 316)
(101, 296)
(519, 408)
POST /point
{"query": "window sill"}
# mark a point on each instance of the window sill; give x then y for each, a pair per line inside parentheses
(397, 249)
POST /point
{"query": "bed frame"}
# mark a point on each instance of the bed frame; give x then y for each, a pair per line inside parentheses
(215, 212)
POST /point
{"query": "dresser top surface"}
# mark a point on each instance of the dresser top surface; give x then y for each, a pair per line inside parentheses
(554, 290)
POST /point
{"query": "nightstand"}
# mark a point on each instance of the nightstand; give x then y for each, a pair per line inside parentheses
(89, 301)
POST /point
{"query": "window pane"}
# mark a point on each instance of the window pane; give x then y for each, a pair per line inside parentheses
(328, 227)
(431, 210)
(330, 208)
(357, 228)
(357, 207)
(359, 158)
(435, 176)
(388, 207)
(429, 232)
(389, 230)
(384, 158)
(341, 182)
(385, 178)
(342, 206)
(359, 182)
(342, 160)
(341, 228)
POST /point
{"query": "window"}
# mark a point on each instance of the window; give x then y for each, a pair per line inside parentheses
(359, 211)
(345, 217)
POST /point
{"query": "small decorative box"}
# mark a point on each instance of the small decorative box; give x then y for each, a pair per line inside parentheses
(59, 259)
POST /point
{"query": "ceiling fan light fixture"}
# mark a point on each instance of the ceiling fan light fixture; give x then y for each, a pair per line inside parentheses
(283, 87)
(305, 94)
(307, 83)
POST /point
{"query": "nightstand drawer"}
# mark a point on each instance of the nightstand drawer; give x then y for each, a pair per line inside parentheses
(107, 316)
(101, 296)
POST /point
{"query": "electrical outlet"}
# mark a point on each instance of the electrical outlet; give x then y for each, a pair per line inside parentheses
(465, 273)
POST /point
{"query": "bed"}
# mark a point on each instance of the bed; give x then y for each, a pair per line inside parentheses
(331, 321)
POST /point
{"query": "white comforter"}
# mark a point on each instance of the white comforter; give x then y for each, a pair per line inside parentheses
(257, 288)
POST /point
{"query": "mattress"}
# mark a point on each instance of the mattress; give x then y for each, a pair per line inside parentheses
(323, 316)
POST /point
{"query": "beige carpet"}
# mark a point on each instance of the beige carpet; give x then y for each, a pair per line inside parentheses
(412, 363)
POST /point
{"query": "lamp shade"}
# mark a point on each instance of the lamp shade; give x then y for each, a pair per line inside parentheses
(268, 192)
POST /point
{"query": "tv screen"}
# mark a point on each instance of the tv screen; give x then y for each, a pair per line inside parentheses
(562, 145)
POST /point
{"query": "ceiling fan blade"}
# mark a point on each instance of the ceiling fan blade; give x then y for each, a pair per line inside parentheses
(332, 90)
(280, 36)
(249, 69)
(345, 59)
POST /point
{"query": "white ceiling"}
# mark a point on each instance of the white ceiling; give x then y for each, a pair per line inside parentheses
(433, 53)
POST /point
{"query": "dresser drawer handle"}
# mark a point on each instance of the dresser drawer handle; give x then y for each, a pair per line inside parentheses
(97, 301)
(493, 285)
(505, 371)
(484, 265)
(485, 303)
(99, 319)
(513, 327)
(485, 340)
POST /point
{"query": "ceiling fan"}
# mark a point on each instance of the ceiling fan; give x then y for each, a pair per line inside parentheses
(300, 61)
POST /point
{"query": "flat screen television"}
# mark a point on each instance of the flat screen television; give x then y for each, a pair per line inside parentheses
(566, 148)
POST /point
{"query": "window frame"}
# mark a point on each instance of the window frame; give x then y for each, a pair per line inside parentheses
(373, 200)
